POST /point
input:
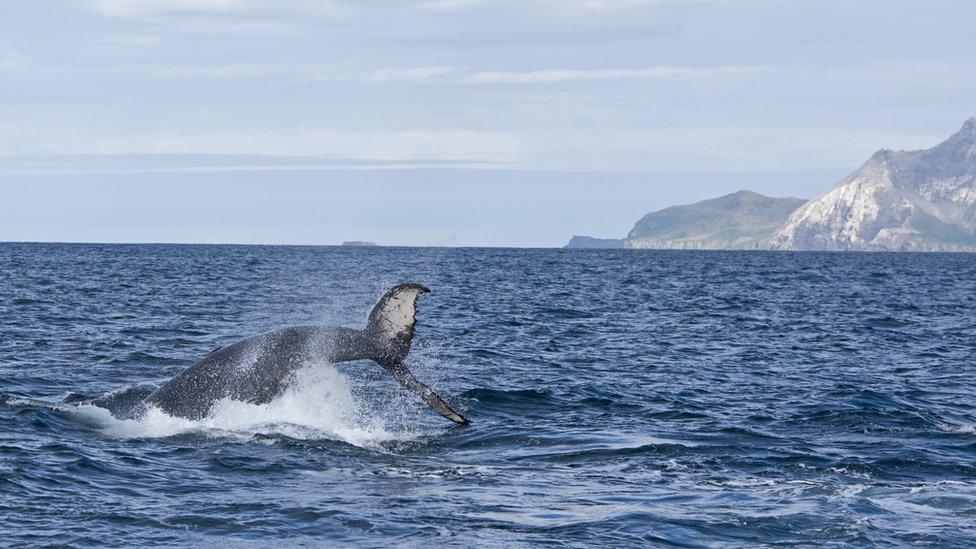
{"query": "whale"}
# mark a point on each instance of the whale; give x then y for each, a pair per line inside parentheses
(259, 368)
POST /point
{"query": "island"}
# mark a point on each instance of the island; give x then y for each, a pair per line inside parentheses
(919, 201)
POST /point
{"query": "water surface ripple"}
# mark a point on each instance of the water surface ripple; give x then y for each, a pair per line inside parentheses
(617, 397)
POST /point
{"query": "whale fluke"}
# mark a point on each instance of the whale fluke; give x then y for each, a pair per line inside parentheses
(390, 324)
(390, 329)
(415, 386)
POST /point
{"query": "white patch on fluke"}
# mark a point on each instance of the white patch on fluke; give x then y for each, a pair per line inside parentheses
(319, 404)
(397, 314)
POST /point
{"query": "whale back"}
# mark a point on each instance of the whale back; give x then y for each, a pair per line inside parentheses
(390, 325)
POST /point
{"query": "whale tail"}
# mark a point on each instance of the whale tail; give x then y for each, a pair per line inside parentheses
(390, 325)
(389, 331)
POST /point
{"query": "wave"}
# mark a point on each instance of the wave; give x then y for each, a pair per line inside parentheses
(515, 397)
(959, 429)
(320, 404)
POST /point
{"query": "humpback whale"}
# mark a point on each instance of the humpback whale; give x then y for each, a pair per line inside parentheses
(257, 369)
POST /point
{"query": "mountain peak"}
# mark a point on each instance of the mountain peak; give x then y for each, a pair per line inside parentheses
(966, 134)
(962, 143)
(907, 200)
(968, 130)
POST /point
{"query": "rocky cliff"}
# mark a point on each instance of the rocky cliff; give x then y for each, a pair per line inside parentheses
(897, 201)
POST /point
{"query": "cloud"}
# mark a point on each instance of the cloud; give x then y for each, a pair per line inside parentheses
(306, 72)
(187, 10)
(417, 74)
(11, 60)
(620, 5)
(296, 12)
(383, 145)
(426, 75)
(450, 5)
(717, 147)
(393, 145)
(144, 40)
(560, 5)
(136, 9)
(229, 70)
(569, 75)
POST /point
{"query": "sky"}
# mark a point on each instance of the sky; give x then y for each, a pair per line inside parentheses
(450, 122)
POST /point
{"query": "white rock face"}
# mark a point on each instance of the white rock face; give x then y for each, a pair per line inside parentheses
(904, 200)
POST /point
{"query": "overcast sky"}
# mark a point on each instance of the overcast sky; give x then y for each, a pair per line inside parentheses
(450, 122)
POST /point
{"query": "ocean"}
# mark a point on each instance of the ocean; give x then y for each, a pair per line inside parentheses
(616, 397)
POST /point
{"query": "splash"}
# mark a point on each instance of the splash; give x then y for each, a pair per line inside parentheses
(319, 404)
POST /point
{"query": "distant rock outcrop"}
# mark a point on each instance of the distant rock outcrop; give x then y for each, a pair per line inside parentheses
(897, 201)
(590, 242)
(358, 243)
(737, 221)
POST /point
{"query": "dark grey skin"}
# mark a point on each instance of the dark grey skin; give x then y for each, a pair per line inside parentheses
(257, 369)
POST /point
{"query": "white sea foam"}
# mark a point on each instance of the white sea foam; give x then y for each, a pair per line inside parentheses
(319, 404)
(962, 429)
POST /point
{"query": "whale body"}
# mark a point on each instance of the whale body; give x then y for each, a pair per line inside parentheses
(257, 369)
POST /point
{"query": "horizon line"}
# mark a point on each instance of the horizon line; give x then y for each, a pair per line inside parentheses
(564, 247)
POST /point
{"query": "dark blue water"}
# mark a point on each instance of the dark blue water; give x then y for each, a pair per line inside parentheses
(616, 397)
